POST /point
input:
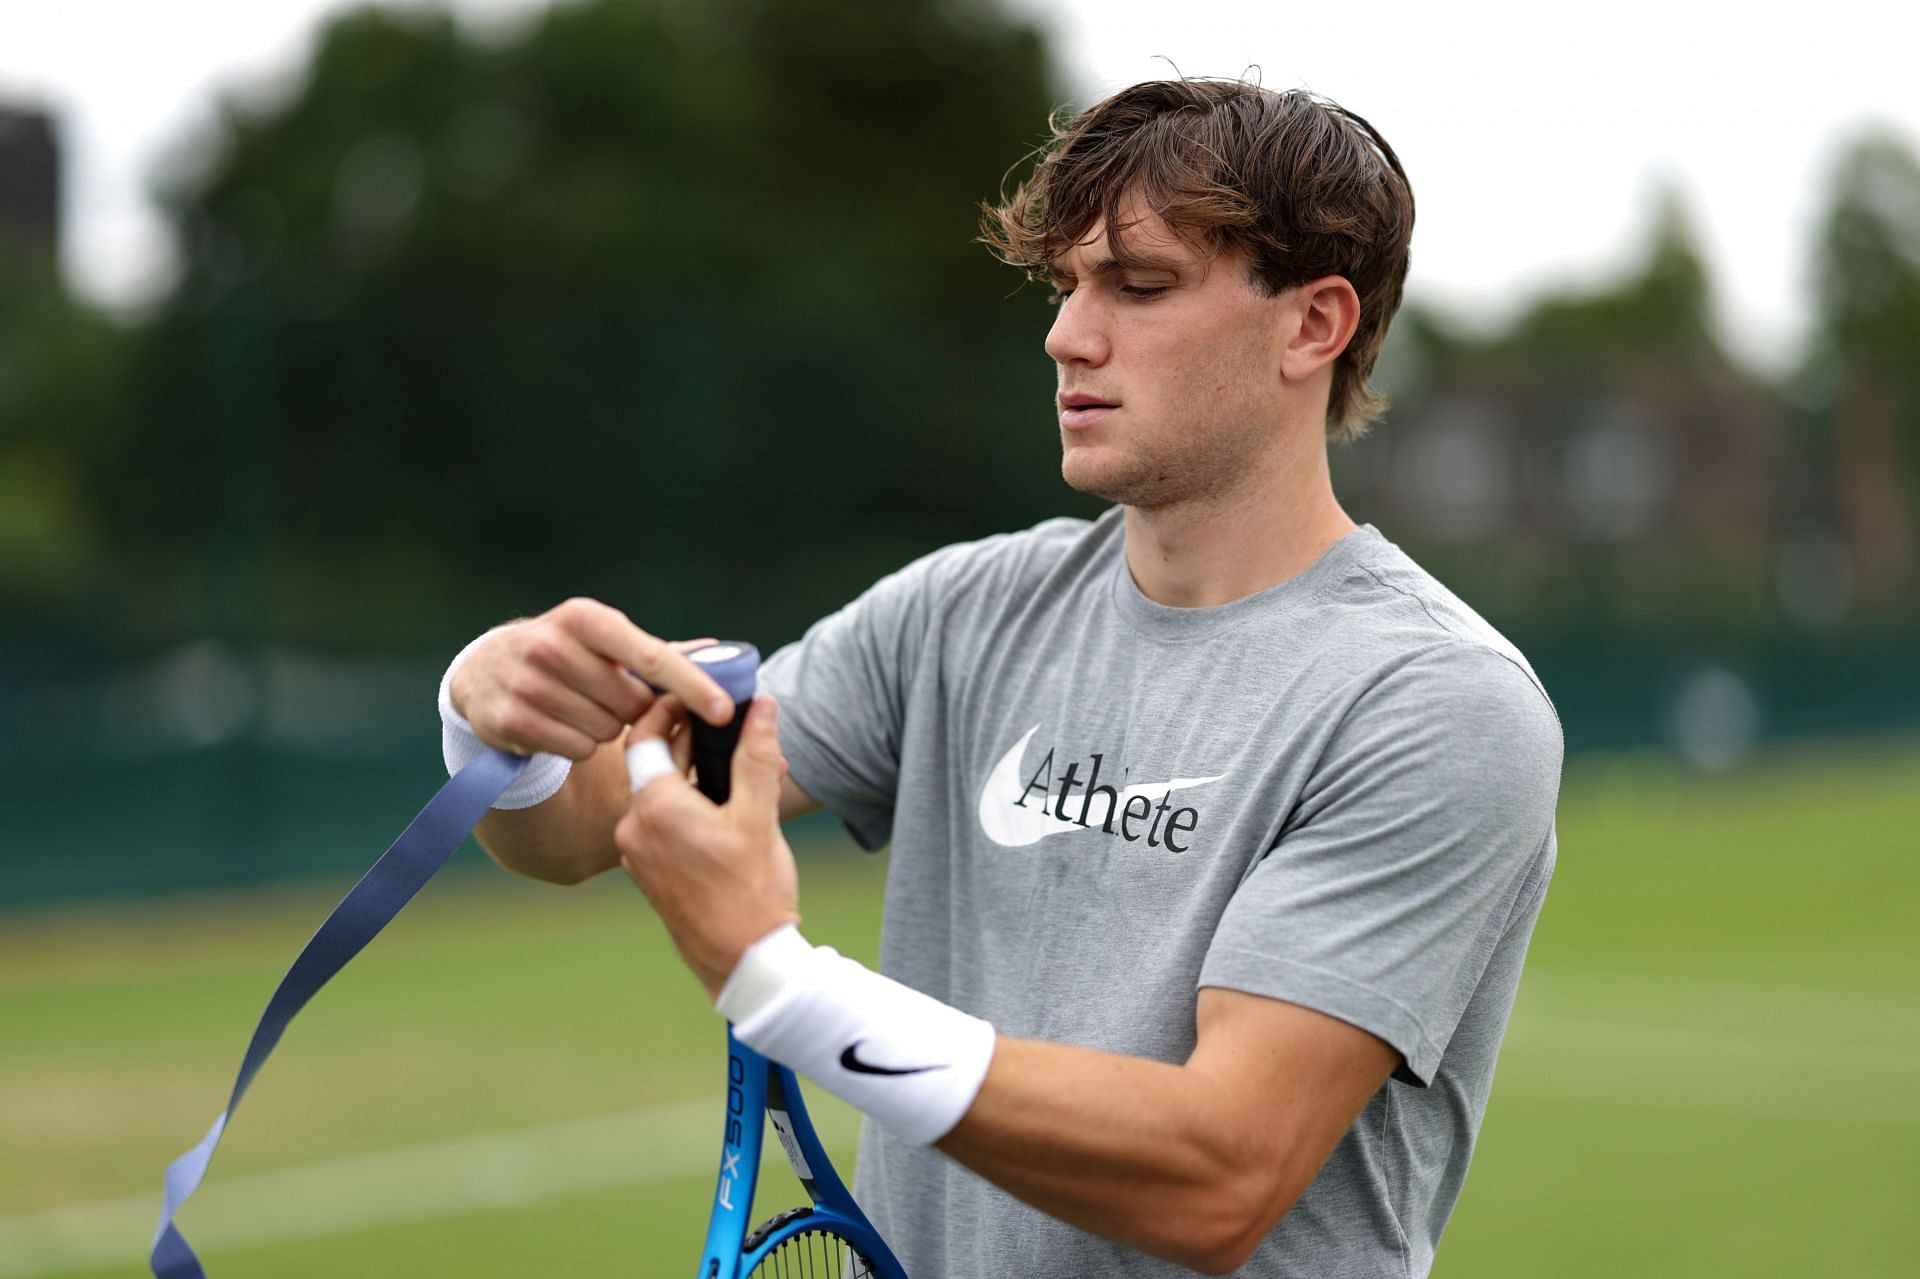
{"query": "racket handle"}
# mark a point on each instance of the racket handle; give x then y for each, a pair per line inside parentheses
(736, 667)
(713, 754)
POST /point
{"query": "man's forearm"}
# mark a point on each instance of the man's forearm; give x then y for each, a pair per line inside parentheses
(1138, 1151)
(1195, 1163)
(568, 837)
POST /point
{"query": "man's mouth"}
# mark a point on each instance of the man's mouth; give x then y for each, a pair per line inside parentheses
(1082, 410)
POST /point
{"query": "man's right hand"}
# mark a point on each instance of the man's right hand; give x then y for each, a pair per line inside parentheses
(564, 682)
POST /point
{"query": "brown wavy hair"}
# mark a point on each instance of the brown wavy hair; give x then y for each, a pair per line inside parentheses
(1301, 185)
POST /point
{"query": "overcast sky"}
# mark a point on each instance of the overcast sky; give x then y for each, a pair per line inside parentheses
(1534, 134)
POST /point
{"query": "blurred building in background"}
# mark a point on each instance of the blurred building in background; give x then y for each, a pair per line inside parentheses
(1676, 491)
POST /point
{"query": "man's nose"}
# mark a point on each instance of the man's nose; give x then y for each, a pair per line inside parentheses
(1078, 335)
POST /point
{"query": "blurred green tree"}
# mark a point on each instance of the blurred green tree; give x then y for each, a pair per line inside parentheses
(674, 304)
(1660, 311)
(1868, 260)
(1862, 376)
(62, 400)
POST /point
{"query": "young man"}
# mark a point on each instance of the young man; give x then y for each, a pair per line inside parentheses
(1219, 828)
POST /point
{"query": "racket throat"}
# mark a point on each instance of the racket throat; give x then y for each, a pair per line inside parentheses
(765, 1229)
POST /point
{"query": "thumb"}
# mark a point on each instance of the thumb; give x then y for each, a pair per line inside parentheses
(670, 749)
(757, 762)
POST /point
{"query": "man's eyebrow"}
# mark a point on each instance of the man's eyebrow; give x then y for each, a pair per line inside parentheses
(1110, 266)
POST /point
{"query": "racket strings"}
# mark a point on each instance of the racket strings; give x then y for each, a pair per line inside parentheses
(814, 1254)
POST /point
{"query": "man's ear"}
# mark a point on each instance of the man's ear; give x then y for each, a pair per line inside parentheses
(1329, 312)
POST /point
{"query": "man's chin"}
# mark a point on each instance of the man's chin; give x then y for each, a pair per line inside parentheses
(1108, 483)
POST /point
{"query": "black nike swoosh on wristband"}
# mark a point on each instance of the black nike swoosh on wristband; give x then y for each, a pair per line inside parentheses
(851, 1062)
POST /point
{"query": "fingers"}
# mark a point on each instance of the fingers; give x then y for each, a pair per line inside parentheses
(647, 760)
(758, 764)
(563, 657)
(574, 710)
(659, 744)
(537, 710)
(609, 633)
(523, 733)
(681, 744)
(647, 754)
(563, 682)
(663, 718)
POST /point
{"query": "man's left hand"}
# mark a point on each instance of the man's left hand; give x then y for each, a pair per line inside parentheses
(720, 876)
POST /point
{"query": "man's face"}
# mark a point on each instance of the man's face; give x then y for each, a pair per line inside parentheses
(1170, 385)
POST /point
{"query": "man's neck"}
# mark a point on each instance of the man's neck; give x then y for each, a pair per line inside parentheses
(1269, 529)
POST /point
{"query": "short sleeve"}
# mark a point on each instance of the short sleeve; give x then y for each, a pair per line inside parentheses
(843, 690)
(1425, 826)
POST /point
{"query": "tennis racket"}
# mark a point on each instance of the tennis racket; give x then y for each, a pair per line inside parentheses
(829, 1238)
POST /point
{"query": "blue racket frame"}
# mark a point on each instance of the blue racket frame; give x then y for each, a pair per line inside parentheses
(759, 1090)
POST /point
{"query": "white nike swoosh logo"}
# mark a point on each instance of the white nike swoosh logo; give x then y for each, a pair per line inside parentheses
(1012, 825)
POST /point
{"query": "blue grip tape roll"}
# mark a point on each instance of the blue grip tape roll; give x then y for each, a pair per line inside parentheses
(735, 666)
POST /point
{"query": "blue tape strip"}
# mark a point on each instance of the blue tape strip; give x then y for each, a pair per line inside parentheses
(423, 848)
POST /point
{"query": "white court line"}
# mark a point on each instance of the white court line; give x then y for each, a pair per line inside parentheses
(1681, 1069)
(1694, 1047)
(1680, 1044)
(1891, 1015)
(444, 1179)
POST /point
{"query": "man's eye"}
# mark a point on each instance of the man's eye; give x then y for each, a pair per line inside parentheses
(1144, 290)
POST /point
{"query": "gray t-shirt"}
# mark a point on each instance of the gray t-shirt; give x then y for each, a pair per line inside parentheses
(1337, 792)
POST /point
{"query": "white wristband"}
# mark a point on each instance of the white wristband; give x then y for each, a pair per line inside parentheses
(911, 1062)
(544, 774)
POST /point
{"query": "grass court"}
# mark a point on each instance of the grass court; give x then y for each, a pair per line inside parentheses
(1711, 1069)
